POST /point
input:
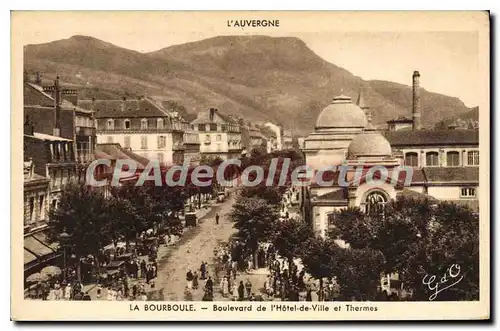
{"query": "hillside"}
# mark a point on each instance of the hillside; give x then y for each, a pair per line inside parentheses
(257, 77)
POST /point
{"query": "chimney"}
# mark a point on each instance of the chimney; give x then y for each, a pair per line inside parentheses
(28, 126)
(212, 113)
(124, 99)
(57, 112)
(361, 103)
(38, 79)
(416, 101)
(92, 105)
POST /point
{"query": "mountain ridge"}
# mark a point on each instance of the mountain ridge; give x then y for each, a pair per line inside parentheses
(257, 77)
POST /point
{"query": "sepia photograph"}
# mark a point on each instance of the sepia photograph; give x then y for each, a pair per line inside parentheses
(250, 165)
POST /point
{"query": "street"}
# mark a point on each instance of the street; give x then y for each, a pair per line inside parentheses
(174, 262)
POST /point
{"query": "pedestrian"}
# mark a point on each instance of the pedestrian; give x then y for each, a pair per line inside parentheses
(195, 280)
(209, 286)
(217, 218)
(67, 292)
(241, 291)
(189, 279)
(248, 287)
(203, 270)
(235, 292)
(224, 287)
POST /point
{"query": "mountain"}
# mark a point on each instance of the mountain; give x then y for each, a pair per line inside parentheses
(257, 77)
(464, 120)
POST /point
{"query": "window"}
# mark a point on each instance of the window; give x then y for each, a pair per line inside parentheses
(161, 142)
(411, 159)
(110, 139)
(219, 137)
(144, 142)
(161, 158)
(432, 159)
(467, 192)
(452, 159)
(159, 123)
(110, 124)
(53, 204)
(375, 204)
(41, 207)
(224, 127)
(473, 158)
(144, 124)
(201, 127)
(213, 127)
(207, 137)
(32, 209)
(126, 124)
(126, 141)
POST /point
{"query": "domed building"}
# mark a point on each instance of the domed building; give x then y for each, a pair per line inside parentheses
(364, 165)
(337, 124)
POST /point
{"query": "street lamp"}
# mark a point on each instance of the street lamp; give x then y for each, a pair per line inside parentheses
(63, 238)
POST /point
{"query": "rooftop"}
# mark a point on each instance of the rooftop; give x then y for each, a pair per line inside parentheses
(143, 107)
(432, 137)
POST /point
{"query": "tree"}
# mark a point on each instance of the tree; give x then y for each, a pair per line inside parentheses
(81, 213)
(255, 220)
(359, 276)
(322, 258)
(290, 237)
(125, 222)
(416, 239)
(271, 194)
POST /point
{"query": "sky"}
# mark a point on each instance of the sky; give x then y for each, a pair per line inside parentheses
(444, 49)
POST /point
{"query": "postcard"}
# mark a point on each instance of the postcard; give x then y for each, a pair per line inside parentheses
(250, 166)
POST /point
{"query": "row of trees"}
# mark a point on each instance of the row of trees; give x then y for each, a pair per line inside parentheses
(412, 238)
(93, 220)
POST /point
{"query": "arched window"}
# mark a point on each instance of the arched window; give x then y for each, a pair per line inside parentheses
(411, 159)
(126, 124)
(375, 203)
(452, 159)
(110, 125)
(432, 159)
(144, 124)
(159, 123)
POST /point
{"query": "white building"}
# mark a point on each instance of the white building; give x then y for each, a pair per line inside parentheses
(219, 135)
(144, 127)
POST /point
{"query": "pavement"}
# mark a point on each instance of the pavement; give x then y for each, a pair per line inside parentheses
(196, 246)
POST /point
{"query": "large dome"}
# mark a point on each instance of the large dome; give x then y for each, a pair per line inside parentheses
(369, 143)
(341, 113)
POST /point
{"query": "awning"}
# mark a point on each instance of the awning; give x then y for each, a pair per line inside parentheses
(28, 257)
(42, 237)
(36, 247)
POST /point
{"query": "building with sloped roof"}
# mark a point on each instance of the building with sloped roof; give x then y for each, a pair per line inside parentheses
(144, 127)
(220, 135)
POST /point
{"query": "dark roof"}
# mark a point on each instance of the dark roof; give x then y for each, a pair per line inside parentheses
(400, 119)
(203, 117)
(34, 95)
(117, 152)
(417, 195)
(133, 108)
(338, 195)
(451, 174)
(432, 137)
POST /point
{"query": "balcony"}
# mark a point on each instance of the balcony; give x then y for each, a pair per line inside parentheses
(178, 146)
(85, 131)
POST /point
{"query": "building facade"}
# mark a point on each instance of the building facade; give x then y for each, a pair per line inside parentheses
(142, 126)
(219, 135)
(444, 164)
